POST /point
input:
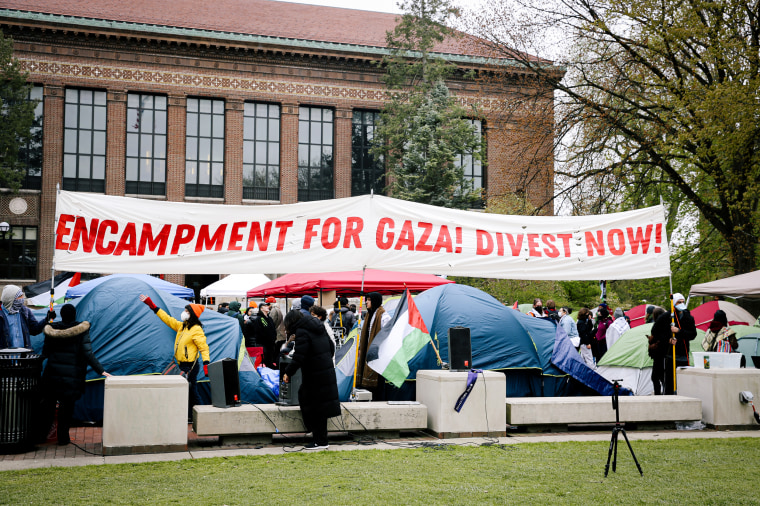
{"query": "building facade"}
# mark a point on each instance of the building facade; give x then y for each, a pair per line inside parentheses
(238, 102)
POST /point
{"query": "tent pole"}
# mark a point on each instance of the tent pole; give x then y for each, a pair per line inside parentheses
(359, 325)
(672, 323)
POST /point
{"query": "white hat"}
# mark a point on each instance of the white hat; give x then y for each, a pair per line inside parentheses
(677, 297)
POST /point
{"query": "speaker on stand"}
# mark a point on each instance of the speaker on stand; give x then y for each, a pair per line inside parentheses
(288, 391)
(460, 349)
(225, 383)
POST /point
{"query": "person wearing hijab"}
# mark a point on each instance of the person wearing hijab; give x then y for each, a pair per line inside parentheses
(17, 322)
(313, 355)
(189, 343)
(718, 331)
(68, 351)
(376, 318)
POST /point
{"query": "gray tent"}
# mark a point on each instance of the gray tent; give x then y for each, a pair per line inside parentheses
(743, 285)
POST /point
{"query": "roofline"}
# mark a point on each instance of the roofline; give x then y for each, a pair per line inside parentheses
(235, 37)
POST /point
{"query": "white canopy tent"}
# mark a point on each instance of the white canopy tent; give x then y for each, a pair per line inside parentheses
(234, 286)
(743, 285)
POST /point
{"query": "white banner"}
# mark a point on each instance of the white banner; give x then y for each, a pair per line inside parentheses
(99, 233)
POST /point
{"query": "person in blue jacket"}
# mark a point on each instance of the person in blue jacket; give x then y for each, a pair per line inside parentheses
(17, 322)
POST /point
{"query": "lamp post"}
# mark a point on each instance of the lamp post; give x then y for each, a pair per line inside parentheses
(4, 228)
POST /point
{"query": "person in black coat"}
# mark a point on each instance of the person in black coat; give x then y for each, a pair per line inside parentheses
(318, 395)
(68, 351)
(266, 334)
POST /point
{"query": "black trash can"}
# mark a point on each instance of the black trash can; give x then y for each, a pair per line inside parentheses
(20, 379)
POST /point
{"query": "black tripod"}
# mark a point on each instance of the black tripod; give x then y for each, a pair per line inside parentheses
(615, 432)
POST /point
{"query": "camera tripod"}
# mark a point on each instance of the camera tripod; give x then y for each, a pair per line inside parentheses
(616, 432)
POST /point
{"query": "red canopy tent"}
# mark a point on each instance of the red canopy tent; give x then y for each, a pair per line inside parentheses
(346, 283)
(638, 315)
(736, 315)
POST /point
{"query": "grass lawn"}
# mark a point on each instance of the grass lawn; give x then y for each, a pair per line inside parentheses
(709, 471)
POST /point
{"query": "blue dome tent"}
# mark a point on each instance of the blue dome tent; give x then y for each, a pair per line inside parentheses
(178, 291)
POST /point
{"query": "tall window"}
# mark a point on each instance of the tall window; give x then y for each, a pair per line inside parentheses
(204, 148)
(367, 173)
(84, 141)
(30, 153)
(473, 169)
(261, 151)
(146, 144)
(315, 153)
(18, 254)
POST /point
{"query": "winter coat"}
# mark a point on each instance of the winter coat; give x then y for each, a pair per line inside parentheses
(189, 342)
(276, 315)
(68, 351)
(314, 356)
(601, 329)
(29, 326)
(585, 330)
(235, 312)
(661, 333)
(365, 375)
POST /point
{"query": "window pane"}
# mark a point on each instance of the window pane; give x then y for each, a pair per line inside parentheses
(70, 141)
(274, 177)
(98, 167)
(83, 168)
(204, 105)
(191, 172)
(274, 130)
(204, 173)
(85, 96)
(204, 126)
(192, 105)
(160, 103)
(218, 126)
(131, 169)
(132, 122)
(160, 122)
(99, 143)
(191, 148)
(72, 96)
(146, 121)
(247, 152)
(217, 175)
(327, 133)
(146, 145)
(69, 166)
(159, 146)
(192, 124)
(99, 98)
(85, 141)
(204, 149)
(218, 150)
(218, 107)
(274, 153)
(261, 152)
(303, 132)
(261, 128)
(303, 155)
(159, 171)
(100, 118)
(145, 169)
(315, 156)
(85, 116)
(316, 133)
(248, 124)
(72, 120)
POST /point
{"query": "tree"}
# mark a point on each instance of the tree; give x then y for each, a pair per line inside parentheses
(422, 128)
(660, 100)
(16, 116)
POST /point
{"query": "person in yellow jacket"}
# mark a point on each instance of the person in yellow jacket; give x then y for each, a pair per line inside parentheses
(190, 341)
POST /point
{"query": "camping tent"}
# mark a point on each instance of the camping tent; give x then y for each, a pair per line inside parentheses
(749, 346)
(159, 284)
(736, 315)
(526, 349)
(743, 285)
(347, 283)
(637, 314)
(128, 339)
(234, 286)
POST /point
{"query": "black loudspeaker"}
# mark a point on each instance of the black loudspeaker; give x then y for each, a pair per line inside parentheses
(225, 383)
(460, 350)
(288, 391)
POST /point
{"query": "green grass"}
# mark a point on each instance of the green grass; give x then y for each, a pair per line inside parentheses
(712, 471)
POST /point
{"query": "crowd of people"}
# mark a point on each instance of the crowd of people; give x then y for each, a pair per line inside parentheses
(311, 334)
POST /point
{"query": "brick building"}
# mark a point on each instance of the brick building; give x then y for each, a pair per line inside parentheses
(248, 102)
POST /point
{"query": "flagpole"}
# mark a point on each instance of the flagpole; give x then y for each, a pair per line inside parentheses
(358, 340)
(52, 265)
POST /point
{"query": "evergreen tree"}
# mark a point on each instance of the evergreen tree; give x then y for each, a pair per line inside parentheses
(16, 116)
(423, 130)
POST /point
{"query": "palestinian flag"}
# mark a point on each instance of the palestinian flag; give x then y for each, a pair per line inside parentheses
(398, 342)
(38, 294)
